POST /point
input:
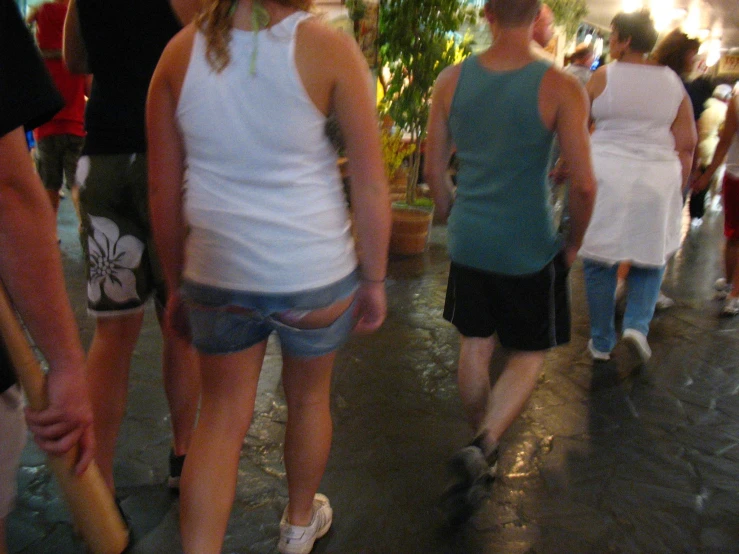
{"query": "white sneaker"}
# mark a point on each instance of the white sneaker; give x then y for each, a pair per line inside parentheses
(663, 302)
(731, 307)
(597, 355)
(638, 344)
(723, 288)
(295, 539)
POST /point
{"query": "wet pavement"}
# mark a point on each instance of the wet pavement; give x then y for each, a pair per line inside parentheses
(603, 460)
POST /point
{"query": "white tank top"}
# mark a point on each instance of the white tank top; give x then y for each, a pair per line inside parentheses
(264, 200)
(635, 111)
(732, 156)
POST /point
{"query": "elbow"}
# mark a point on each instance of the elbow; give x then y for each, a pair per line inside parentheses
(586, 191)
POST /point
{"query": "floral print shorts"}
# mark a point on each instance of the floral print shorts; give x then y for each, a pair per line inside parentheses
(122, 270)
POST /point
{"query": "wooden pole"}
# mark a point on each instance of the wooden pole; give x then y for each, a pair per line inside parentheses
(93, 509)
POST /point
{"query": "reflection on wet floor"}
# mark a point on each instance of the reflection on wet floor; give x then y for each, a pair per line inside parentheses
(606, 457)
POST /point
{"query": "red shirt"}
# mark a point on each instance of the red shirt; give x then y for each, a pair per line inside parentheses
(50, 25)
(49, 32)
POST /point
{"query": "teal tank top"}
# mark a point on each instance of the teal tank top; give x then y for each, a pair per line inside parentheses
(501, 221)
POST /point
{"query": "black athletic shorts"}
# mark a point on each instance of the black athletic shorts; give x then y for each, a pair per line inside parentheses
(529, 312)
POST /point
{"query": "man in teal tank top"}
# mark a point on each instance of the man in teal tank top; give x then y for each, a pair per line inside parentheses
(499, 111)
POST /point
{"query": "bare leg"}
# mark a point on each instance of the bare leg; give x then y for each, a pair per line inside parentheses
(307, 383)
(181, 385)
(108, 364)
(208, 486)
(54, 197)
(473, 377)
(623, 270)
(75, 192)
(511, 392)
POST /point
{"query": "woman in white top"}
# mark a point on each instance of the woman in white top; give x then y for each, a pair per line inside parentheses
(642, 153)
(728, 148)
(253, 231)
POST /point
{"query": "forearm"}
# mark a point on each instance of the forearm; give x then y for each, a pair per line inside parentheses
(30, 266)
(442, 191)
(686, 164)
(371, 207)
(718, 158)
(581, 202)
(75, 52)
(169, 232)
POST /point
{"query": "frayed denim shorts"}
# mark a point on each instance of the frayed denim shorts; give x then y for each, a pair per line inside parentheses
(223, 321)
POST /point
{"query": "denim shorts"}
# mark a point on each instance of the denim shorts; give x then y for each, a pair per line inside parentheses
(224, 321)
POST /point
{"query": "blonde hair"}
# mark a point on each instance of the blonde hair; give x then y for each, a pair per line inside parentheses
(215, 21)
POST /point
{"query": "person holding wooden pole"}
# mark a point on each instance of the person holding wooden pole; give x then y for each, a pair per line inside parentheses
(30, 268)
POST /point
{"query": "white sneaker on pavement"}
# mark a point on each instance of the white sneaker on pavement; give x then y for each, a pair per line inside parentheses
(731, 308)
(296, 539)
(638, 344)
(723, 288)
(664, 302)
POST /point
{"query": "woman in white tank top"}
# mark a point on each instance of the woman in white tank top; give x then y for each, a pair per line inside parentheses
(642, 149)
(251, 226)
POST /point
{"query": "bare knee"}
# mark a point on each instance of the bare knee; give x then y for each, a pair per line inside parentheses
(120, 327)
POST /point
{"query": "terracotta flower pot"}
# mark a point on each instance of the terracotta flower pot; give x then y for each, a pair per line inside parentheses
(410, 230)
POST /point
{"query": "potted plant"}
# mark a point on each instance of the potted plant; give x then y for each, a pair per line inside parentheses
(395, 151)
(417, 39)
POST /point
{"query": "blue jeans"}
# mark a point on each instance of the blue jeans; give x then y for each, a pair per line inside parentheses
(642, 285)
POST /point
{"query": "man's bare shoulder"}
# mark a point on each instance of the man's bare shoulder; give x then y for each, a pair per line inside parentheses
(560, 84)
(447, 79)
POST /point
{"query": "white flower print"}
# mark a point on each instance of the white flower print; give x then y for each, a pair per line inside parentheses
(112, 257)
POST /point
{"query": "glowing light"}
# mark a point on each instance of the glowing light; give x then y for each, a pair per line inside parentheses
(588, 38)
(714, 51)
(632, 5)
(663, 14)
(692, 22)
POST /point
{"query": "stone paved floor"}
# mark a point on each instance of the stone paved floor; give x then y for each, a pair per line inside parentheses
(602, 460)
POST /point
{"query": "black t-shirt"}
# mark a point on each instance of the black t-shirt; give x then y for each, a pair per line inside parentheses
(27, 94)
(27, 98)
(699, 90)
(124, 41)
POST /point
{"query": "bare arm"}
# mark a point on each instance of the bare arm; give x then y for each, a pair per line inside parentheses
(31, 269)
(729, 130)
(574, 139)
(354, 105)
(75, 52)
(686, 138)
(439, 143)
(166, 159)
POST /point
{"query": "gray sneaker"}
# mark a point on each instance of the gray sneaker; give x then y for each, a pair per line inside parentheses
(472, 483)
